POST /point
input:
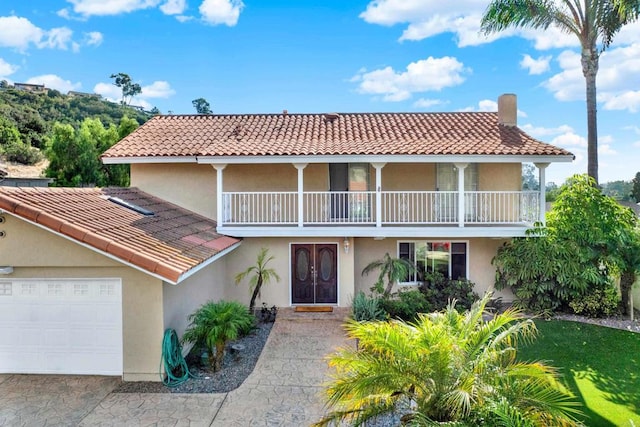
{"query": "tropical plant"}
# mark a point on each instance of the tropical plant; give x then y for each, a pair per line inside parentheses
(367, 308)
(440, 291)
(258, 275)
(392, 269)
(588, 239)
(216, 323)
(406, 304)
(593, 22)
(449, 367)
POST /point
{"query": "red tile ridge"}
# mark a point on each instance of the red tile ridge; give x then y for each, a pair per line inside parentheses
(167, 271)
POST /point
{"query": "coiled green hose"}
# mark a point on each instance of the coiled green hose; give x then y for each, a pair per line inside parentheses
(174, 364)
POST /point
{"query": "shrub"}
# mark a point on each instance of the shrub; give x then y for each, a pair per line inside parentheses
(600, 301)
(440, 290)
(367, 308)
(406, 304)
(214, 324)
(22, 153)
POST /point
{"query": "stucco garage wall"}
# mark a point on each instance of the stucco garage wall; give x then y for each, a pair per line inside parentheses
(188, 185)
(179, 301)
(480, 253)
(59, 258)
(278, 293)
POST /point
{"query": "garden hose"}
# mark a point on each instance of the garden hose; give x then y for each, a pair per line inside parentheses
(173, 360)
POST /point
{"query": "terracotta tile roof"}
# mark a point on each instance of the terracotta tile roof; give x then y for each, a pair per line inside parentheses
(168, 243)
(319, 134)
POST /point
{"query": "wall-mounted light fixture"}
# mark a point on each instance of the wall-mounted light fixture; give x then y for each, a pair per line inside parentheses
(346, 244)
(6, 270)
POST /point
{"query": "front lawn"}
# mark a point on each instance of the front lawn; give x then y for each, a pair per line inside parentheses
(600, 365)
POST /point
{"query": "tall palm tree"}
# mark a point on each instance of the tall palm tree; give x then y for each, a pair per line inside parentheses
(594, 22)
(446, 367)
(258, 274)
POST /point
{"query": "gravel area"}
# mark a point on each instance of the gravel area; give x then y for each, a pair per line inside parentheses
(235, 369)
(616, 322)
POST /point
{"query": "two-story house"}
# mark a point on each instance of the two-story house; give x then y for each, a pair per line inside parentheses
(325, 193)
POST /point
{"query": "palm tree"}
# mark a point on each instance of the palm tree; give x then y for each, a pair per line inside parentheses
(393, 269)
(446, 367)
(260, 275)
(594, 22)
(216, 323)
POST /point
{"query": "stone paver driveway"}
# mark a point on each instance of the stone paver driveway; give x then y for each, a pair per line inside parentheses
(285, 389)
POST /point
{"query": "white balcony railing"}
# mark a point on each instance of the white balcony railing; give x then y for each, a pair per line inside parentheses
(396, 208)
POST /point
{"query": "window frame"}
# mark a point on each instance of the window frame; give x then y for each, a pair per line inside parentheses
(427, 241)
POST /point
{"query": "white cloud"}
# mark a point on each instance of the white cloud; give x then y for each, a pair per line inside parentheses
(109, 7)
(93, 38)
(218, 12)
(569, 140)
(427, 18)
(7, 69)
(427, 103)
(59, 38)
(173, 7)
(431, 74)
(54, 82)
(108, 91)
(158, 89)
(19, 33)
(540, 132)
(183, 18)
(629, 101)
(618, 76)
(535, 66)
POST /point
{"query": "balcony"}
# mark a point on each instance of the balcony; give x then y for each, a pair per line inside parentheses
(379, 214)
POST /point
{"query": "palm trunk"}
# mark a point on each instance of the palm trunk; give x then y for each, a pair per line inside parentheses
(626, 282)
(590, 70)
(219, 357)
(255, 294)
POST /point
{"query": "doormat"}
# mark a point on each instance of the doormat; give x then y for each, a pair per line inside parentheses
(313, 309)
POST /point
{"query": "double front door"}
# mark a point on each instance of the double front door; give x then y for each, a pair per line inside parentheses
(314, 273)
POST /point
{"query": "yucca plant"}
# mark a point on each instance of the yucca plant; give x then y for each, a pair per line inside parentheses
(214, 324)
(446, 367)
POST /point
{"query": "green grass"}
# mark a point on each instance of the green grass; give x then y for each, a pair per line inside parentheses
(600, 365)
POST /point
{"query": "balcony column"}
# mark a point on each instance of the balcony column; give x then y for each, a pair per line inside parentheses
(543, 189)
(300, 167)
(219, 196)
(378, 167)
(461, 167)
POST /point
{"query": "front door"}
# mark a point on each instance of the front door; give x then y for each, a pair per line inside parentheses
(314, 273)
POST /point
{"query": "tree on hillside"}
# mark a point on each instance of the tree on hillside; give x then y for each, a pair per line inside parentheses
(202, 106)
(593, 22)
(635, 190)
(129, 89)
(75, 155)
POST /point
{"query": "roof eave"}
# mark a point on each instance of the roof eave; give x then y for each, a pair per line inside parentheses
(345, 158)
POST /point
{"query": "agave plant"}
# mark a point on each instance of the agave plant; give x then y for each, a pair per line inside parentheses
(446, 367)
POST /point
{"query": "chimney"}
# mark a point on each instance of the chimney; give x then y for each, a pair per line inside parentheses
(508, 109)
(285, 112)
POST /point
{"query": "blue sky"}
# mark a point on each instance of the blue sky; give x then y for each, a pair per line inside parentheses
(263, 56)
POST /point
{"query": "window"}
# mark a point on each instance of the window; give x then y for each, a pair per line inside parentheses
(444, 257)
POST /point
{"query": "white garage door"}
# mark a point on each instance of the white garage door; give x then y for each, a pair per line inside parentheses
(61, 326)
